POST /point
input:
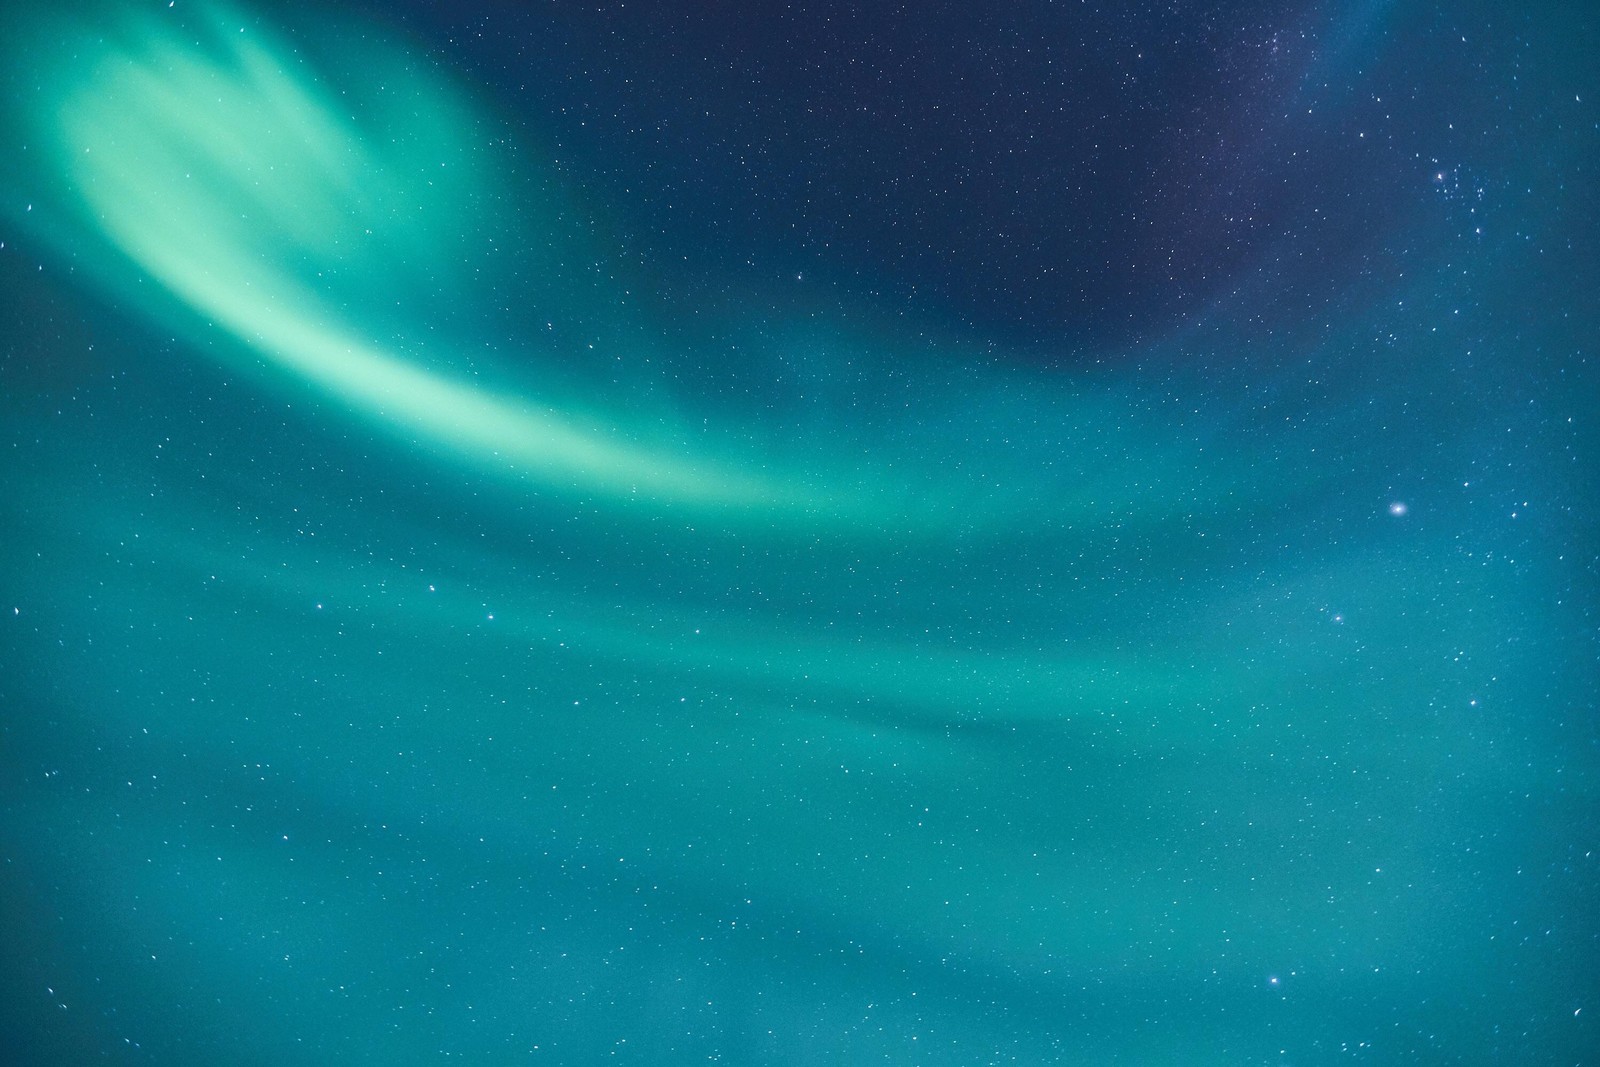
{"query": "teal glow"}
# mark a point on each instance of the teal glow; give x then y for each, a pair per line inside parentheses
(432, 640)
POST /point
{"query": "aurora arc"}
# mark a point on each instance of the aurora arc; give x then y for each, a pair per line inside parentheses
(218, 172)
(215, 169)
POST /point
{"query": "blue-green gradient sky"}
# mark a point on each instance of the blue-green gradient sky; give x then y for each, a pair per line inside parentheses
(838, 535)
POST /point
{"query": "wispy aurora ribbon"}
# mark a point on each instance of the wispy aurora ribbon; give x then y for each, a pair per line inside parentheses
(229, 176)
(302, 214)
(297, 214)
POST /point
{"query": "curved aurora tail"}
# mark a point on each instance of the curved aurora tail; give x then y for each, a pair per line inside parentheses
(230, 179)
(400, 593)
(276, 229)
(216, 166)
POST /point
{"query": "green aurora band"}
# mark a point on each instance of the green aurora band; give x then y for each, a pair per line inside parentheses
(1039, 682)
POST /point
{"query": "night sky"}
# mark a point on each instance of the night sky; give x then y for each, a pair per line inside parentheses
(797, 534)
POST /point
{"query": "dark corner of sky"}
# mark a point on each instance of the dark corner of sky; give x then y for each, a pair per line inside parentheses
(1064, 183)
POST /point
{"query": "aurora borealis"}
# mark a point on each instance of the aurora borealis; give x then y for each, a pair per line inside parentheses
(569, 535)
